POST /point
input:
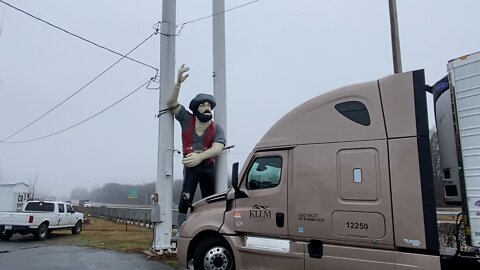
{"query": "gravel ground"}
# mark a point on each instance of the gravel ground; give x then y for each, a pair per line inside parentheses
(447, 232)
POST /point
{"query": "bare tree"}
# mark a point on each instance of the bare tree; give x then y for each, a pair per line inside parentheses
(79, 193)
(437, 172)
(32, 184)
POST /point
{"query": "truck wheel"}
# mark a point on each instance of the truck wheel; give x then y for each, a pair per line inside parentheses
(212, 254)
(6, 235)
(42, 232)
(78, 228)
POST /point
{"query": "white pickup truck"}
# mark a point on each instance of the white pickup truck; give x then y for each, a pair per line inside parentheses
(40, 218)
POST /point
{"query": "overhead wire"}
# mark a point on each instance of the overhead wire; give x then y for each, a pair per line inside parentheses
(153, 79)
(79, 90)
(213, 15)
(75, 35)
(156, 80)
(219, 13)
(1, 23)
(85, 120)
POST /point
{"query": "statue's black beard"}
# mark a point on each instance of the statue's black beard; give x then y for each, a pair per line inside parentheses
(204, 117)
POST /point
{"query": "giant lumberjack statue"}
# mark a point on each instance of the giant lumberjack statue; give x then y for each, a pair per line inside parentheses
(203, 140)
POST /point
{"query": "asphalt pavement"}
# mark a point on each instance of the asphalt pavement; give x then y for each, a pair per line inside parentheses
(25, 253)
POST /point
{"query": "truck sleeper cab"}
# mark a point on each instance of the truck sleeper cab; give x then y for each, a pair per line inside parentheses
(343, 181)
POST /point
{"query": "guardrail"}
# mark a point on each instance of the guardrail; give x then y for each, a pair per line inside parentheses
(140, 216)
(447, 213)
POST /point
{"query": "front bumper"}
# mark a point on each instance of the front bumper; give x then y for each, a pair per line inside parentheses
(182, 250)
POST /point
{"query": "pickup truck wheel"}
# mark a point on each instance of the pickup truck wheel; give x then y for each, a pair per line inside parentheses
(213, 254)
(6, 235)
(42, 232)
(78, 228)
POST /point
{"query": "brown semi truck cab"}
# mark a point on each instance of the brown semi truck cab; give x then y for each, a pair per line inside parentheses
(343, 181)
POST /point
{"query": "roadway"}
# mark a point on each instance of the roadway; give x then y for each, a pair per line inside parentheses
(23, 252)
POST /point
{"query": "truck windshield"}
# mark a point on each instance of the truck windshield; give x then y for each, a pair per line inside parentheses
(40, 207)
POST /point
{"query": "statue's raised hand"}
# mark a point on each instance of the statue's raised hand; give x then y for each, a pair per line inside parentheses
(181, 74)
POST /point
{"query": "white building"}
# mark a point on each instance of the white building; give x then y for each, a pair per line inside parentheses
(13, 195)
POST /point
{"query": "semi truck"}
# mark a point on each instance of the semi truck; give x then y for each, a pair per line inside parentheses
(345, 181)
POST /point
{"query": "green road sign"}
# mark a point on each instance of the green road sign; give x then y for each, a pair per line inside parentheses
(133, 194)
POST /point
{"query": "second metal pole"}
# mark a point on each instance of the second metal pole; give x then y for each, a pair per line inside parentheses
(219, 87)
(397, 58)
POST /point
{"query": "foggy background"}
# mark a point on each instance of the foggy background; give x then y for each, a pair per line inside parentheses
(280, 53)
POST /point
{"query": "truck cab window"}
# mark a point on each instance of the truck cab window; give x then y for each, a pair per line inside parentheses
(40, 207)
(355, 111)
(70, 209)
(264, 173)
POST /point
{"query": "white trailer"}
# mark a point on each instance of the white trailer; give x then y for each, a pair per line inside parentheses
(464, 78)
(12, 196)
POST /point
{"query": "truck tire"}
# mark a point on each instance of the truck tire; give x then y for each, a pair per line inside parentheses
(77, 229)
(212, 254)
(6, 235)
(42, 232)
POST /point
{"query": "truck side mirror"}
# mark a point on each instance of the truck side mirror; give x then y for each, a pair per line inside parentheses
(235, 176)
(238, 193)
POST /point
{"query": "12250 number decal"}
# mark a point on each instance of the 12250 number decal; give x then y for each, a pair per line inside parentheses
(357, 225)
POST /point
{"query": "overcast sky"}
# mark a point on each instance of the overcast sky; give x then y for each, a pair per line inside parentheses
(280, 53)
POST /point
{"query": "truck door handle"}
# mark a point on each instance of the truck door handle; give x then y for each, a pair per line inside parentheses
(280, 219)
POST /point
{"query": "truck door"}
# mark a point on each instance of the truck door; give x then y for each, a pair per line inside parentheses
(70, 219)
(62, 215)
(265, 182)
(261, 216)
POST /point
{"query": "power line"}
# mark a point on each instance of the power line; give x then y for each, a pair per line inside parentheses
(218, 13)
(75, 35)
(103, 47)
(76, 92)
(1, 23)
(215, 14)
(85, 120)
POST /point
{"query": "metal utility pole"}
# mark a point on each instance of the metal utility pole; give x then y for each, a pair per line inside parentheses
(219, 87)
(162, 211)
(397, 58)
